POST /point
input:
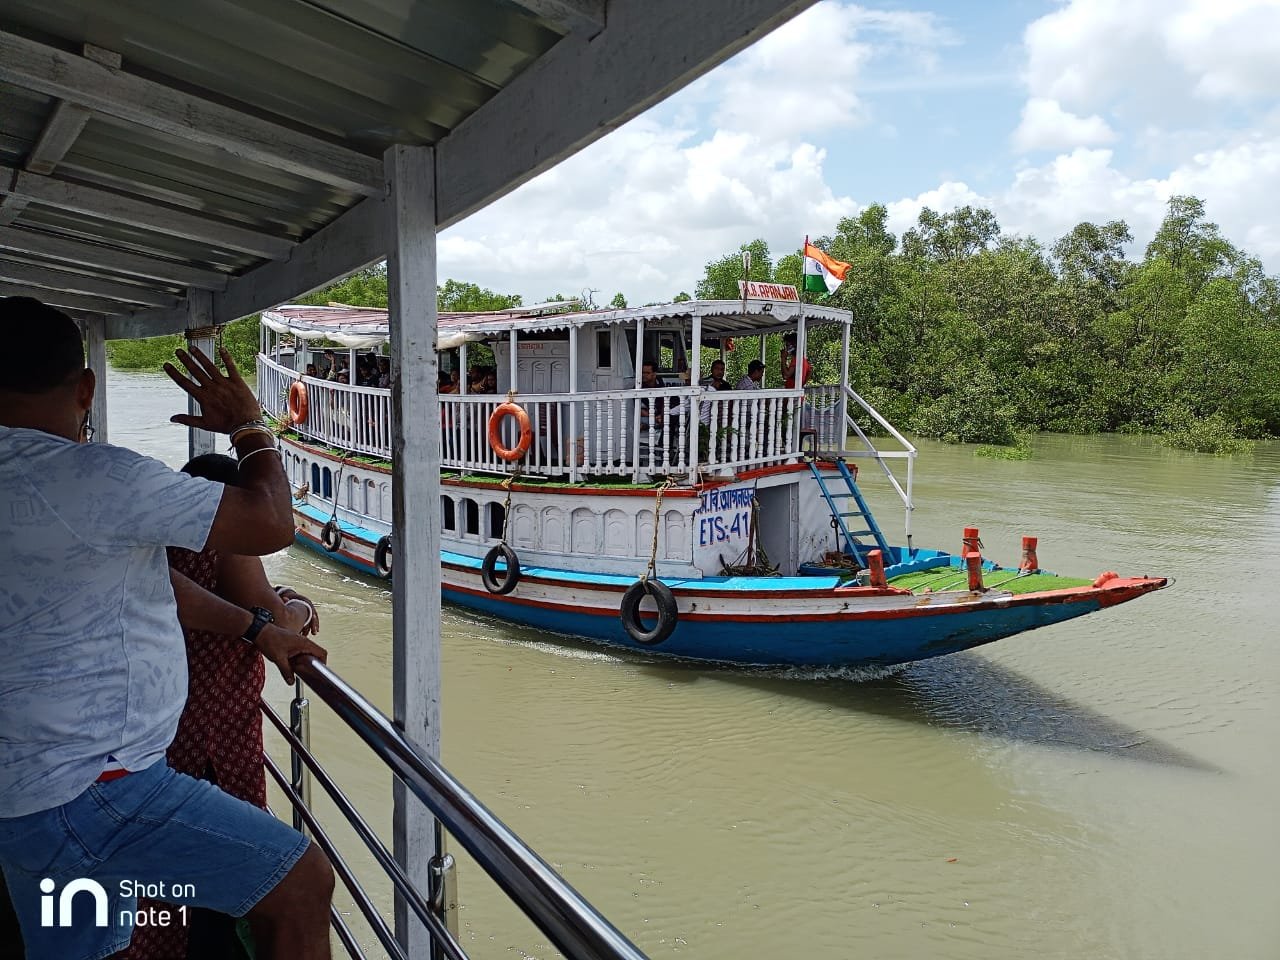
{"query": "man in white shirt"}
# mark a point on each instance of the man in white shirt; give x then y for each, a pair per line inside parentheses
(94, 674)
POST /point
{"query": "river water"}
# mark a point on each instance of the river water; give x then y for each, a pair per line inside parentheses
(1105, 788)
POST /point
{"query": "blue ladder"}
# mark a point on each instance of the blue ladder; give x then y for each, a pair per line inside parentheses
(841, 517)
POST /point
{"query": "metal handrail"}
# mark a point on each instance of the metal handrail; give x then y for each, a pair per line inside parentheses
(573, 926)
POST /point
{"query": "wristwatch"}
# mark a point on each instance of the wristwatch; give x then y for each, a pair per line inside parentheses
(261, 617)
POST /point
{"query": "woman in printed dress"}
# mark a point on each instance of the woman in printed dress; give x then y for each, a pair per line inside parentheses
(219, 735)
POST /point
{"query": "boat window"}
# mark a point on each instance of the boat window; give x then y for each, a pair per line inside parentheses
(471, 515)
(354, 489)
(327, 483)
(665, 348)
(371, 504)
(447, 519)
(604, 349)
(497, 516)
(315, 478)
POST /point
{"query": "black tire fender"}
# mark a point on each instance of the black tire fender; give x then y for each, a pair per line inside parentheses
(331, 536)
(383, 557)
(668, 613)
(510, 576)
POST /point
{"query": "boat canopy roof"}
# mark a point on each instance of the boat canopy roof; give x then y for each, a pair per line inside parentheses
(364, 327)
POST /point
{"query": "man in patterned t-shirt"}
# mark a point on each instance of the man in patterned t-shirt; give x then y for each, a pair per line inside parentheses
(94, 674)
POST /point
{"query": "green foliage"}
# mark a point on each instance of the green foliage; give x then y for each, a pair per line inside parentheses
(1212, 434)
(720, 280)
(619, 302)
(149, 354)
(966, 334)
(1020, 449)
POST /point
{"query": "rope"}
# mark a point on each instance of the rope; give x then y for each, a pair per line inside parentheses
(652, 569)
(506, 507)
(337, 485)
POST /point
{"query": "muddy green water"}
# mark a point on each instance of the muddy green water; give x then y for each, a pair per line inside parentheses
(1105, 788)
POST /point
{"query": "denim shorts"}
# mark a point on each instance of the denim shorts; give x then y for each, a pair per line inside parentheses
(74, 871)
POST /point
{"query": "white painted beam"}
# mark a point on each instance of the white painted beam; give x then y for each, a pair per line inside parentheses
(59, 133)
(78, 198)
(415, 511)
(200, 333)
(109, 258)
(94, 336)
(55, 279)
(61, 298)
(569, 16)
(11, 207)
(149, 323)
(56, 73)
(356, 239)
(584, 88)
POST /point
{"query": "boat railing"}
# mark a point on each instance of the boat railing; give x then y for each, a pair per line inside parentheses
(351, 418)
(575, 928)
(636, 434)
(829, 419)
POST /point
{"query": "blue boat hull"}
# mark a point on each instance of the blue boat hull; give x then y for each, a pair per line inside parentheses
(807, 621)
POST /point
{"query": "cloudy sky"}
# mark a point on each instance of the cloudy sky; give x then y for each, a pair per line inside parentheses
(1047, 112)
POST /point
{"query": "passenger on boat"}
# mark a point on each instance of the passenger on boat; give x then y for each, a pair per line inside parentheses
(444, 383)
(328, 364)
(751, 380)
(788, 363)
(94, 665)
(311, 370)
(219, 736)
(716, 380)
(384, 374)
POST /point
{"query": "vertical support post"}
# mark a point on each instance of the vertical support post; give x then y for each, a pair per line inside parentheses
(693, 413)
(463, 370)
(795, 424)
(415, 518)
(201, 333)
(513, 364)
(574, 440)
(844, 388)
(635, 406)
(299, 775)
(95, 335)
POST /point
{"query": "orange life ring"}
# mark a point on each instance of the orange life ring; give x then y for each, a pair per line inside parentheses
(298, 402)
(504, 410)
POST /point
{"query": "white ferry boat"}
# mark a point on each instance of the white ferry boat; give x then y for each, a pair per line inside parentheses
(649, 511)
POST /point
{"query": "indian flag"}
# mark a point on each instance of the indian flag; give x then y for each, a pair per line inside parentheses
(822, 274)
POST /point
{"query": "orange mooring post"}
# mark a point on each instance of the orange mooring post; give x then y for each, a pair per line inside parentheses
(972, 556)
(1030, 562)
(875, 563)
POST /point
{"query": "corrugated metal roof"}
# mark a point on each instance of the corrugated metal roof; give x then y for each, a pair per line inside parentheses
(364, 74)
(718, 316)
(217, 136)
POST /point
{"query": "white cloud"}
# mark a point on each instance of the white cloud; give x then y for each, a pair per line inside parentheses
(641, 212)
(1239, 182)
(1046, 126)
(803, 78)
(945, 197)
(644, 209)
(1154, 57)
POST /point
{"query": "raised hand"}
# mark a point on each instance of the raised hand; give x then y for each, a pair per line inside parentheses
(226, 402)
